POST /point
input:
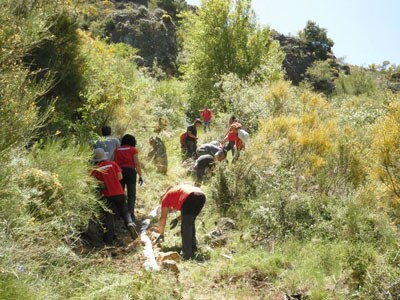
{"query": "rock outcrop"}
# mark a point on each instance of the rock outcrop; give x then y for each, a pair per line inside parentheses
(152, 32)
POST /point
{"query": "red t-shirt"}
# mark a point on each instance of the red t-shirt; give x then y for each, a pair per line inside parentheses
(176, 195)
(107, 172)
(123, 156)
(232, 136)
(206, 115)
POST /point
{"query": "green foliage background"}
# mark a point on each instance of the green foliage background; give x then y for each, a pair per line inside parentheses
(315, 194)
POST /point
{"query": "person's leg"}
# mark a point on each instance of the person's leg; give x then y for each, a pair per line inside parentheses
(130, 182)
(120, 204)
(189, 211)
(187, 227)
(108, 221)
(199, 175)
(191, 148)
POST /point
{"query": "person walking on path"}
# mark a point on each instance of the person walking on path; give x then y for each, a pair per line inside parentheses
(191, 138)
(206, 115)
(109, 174)
(108, 142)
(189, 200)
(126, 157)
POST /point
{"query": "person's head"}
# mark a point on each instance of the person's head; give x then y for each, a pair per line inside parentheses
(99, 155)
(232, 120)
(197, 123)
(106, 131)
(220, 155)
(128, 140)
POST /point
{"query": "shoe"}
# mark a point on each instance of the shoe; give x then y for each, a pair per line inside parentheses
(132, 231)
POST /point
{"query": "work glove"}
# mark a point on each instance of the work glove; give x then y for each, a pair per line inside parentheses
(173, 223)
(140, 181)
(159, 239)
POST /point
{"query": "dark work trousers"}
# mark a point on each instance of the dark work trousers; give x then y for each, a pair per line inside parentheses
(189, 211)
(191, 146)
(114, 204)
(129, 181)
(230, 146)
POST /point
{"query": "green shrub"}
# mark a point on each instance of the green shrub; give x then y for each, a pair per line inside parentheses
(67, 164)
(359, 82)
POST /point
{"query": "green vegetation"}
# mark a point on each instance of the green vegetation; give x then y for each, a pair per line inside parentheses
(315, 196)
(224, 38)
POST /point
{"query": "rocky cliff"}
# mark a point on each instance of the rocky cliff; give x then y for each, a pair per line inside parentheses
(152, 32)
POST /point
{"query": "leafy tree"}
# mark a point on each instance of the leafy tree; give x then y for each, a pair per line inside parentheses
(316, 39)
(224, 38)
(59, 57)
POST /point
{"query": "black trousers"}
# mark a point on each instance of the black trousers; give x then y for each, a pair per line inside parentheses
(191, 147)
(114, 204)
(129, 181)
(189, 211)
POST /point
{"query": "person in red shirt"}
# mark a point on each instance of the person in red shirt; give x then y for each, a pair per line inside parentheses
(126, 157)
(232, 135)
(190, 201)
(109, 174)
(206, 115)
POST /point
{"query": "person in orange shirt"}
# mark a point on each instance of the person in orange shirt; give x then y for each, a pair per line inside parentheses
(189, 200)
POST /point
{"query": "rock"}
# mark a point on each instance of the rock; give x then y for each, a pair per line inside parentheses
(219, 241)
(166, 256)
(158, 154)
(225, 224)
(170, 265)
(152, 33)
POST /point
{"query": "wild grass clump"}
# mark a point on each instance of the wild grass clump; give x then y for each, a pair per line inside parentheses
(46, 206)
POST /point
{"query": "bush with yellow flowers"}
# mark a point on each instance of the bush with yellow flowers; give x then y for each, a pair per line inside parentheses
(44, 193)
(385, 156)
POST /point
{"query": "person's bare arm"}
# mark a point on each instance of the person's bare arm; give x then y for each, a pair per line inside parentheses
(137, 165)
(163, 219)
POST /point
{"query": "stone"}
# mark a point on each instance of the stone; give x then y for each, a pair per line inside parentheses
(225, 224)
(158, 154)
(164, 256)
(170, 265)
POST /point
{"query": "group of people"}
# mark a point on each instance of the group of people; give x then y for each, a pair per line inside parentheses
(116, 168)
(207, 155)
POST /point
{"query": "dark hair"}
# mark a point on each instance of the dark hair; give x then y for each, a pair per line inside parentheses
(128, 140)
(198, 121)
(232, 119)
(106, 130)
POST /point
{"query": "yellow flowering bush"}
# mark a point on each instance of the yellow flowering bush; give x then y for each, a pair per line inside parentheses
(386, 153)
(44, 192)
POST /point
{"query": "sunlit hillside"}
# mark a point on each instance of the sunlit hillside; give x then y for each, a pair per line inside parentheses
(309, 210)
